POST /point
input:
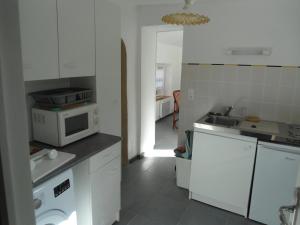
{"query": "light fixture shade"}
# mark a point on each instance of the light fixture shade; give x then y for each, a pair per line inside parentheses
(185, 19)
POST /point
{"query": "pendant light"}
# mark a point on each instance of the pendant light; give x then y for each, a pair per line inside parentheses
(185, 17)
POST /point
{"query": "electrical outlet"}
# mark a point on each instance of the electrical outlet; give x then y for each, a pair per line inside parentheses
(191, 94)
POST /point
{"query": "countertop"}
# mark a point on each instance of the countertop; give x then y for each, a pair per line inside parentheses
(159, 98)
(83, 149)
(282, 136)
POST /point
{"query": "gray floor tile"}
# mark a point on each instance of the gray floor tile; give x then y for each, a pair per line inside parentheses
(162, 209)
(201, 214)
(141, 220)
(169, 189)
(125, 217)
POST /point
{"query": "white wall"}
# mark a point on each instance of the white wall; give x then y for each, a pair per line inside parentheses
(237, 23)
(148, 65)
(14, 145)
(129, 35)
(108, 66)
(171, 56)
(268, 23)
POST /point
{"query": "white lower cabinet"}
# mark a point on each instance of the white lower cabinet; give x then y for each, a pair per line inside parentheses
(97, 183)
(106, 193)
(221, 172)
(164, 107)
(275, 180)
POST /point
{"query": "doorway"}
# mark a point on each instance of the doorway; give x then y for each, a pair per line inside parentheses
(161, 60)
(167, 80)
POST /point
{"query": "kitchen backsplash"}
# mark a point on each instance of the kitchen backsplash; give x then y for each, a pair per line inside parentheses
(273, 93)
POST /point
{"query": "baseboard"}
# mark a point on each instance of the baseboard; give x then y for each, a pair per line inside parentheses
(137, 157)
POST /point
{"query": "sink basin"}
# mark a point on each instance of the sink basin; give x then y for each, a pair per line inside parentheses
(223, 121)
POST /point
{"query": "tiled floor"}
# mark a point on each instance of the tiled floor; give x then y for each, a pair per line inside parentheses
(150, 197)
(165, 135)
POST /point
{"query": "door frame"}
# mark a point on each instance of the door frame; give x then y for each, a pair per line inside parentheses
(124, 104)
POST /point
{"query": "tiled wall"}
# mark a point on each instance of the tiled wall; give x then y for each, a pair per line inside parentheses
(273, 93)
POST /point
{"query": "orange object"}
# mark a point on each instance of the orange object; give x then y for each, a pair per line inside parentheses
(176, 95)
(254, 119)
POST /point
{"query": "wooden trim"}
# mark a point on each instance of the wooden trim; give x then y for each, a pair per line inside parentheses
(124, 107)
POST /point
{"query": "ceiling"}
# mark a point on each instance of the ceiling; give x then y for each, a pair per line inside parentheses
(170, 37)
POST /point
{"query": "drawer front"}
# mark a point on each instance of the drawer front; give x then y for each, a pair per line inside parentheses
(101, 159)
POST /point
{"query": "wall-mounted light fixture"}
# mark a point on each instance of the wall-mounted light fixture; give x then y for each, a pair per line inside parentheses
(249, 51)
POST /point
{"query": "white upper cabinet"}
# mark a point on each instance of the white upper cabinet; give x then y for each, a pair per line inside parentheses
(57, 38)
(38, 23)
(76, 32)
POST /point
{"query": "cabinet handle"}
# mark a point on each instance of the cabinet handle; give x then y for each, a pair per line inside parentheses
(290, 159)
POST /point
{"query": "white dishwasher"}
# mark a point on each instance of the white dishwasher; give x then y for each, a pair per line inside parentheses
(275, 180)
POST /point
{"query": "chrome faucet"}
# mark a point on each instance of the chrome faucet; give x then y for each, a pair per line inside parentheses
(228, 111)
(230, 108)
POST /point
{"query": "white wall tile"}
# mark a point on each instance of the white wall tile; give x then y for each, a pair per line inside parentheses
(258, 74)
(244, 74)
(230, 73)
(272, 76)
(289, 76)
(286, 94)
(256, 92)
(271, 93)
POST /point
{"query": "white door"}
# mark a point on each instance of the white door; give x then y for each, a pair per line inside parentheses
(76, 32)
(106, 190)
(39, 41)
(221, 171)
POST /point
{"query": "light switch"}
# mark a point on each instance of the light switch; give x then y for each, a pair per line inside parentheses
(191, 94)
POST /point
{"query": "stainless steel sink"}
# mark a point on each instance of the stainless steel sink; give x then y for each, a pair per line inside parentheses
(222, 121)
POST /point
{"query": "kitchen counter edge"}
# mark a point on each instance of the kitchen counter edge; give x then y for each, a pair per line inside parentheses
(83, 149)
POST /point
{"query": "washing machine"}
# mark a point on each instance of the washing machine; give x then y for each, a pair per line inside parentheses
(54, 201)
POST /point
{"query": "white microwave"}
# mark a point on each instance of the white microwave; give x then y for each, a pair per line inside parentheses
(59, 128)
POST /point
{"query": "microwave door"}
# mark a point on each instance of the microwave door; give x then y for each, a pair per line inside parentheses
(75, 126)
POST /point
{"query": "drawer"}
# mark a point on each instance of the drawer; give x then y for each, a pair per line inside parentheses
(101, 159)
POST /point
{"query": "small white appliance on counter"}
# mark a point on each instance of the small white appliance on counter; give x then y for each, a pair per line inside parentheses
(54, 201)
(62, 127)
(275, 180)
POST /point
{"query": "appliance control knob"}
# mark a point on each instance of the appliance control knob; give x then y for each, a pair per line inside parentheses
(37, 203)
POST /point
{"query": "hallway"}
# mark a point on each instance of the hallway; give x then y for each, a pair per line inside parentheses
(165, 136)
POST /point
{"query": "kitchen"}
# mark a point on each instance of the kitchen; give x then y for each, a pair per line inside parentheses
(261, 80)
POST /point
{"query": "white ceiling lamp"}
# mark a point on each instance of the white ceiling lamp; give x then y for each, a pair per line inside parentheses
(185, 17)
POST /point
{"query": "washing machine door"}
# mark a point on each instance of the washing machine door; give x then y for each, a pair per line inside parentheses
(52, 217)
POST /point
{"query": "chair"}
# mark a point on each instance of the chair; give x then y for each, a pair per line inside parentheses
(176, 95)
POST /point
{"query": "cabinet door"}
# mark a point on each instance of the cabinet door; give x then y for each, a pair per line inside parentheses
(106, 193)
(157, 110)
(39, 41)
(274, 183)
(76, 32)
(222, 171)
